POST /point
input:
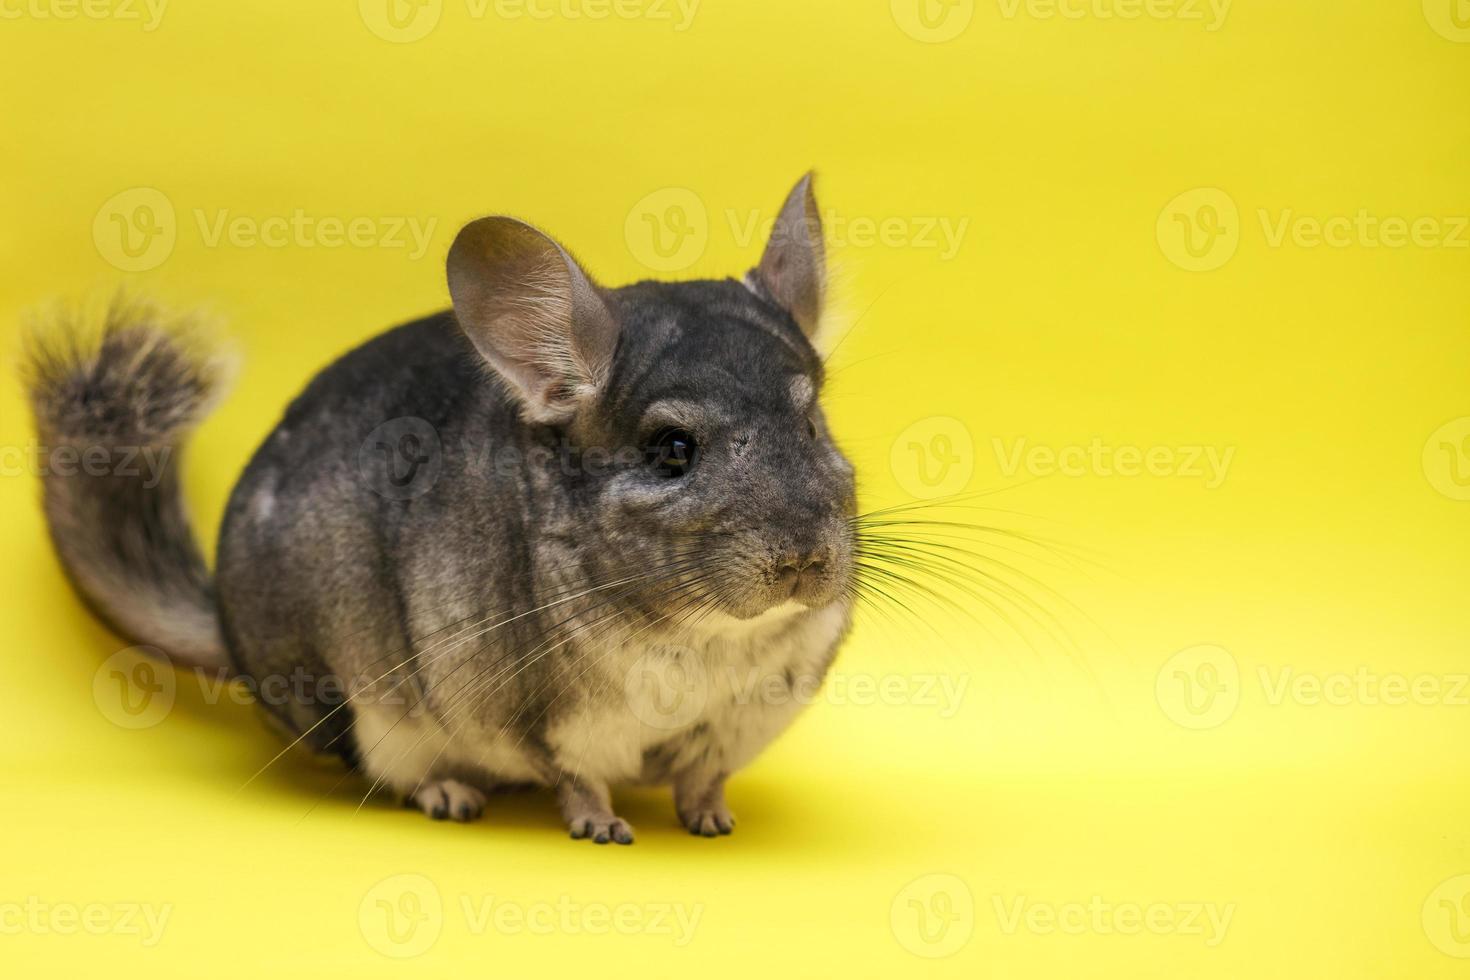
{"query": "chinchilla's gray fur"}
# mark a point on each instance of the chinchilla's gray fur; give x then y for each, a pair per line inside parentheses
(456, 561)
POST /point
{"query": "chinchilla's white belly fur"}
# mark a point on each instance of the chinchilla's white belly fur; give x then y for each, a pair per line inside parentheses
(707, 698)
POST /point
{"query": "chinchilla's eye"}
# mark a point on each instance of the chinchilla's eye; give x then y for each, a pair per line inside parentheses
(673, 453)
(811, 427)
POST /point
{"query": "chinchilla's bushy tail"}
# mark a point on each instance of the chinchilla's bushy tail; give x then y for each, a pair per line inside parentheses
(113, 408)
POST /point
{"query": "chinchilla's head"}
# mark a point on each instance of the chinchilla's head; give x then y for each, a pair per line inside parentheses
(703, 456)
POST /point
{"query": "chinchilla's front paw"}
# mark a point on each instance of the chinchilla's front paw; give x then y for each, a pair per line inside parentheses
(587, 809)
(449, 799)
(602, 828)
(700, 802)
(711, 821)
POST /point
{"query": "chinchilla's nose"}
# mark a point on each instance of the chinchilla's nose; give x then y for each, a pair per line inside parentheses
(797, 563)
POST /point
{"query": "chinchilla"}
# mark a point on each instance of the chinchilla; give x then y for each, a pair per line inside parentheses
(561, 534)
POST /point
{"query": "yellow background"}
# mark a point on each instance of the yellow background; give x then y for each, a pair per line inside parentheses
(1333, 833)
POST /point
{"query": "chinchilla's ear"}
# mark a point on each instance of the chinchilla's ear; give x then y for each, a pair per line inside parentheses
(793, 270)
(533, 314)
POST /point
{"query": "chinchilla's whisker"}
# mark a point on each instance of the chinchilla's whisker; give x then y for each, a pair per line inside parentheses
(560, 601)
(541, 649)
(890, 579)
(631, 593)
(620, 640)
(1038, 553)
(894, 532)
(894, 581)
(596, 662)
(413, 643)
(831, 351)
(942, 503)
(468, 702)
(929, 547)
(918, 559)
(424, 661)
(915, 560)
(454, 704)
(446, 714)
(938, 532)
(874, 598)
(861, 591)
(917, 549)
(568, 594)
(411, 646)
(969, 531)
(627, 587)
(577, 631)
(694, 610)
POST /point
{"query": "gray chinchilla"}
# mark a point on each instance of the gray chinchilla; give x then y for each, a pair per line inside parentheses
(562, 535)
